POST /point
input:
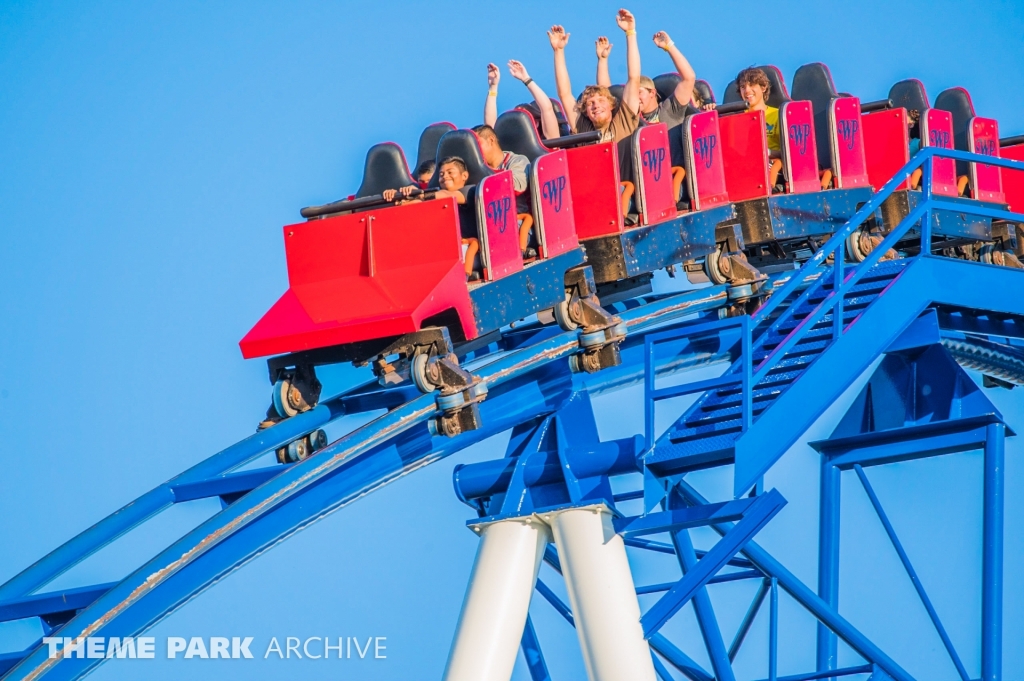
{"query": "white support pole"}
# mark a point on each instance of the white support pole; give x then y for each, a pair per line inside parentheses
(497, 601)
(602, 595)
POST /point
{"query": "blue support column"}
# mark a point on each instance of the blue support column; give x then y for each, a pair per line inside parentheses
(773, 633)
(531, 651)
(992, 557)
(828, 560)
(705, 612)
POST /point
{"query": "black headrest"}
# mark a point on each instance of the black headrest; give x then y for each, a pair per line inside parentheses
(385, 168)
(956, 101)
(429, 139)
(778, 95)
(517, 133)
(909, 94)
(813, 83)
(706, 93)
(563, 122)
(465, 145)
(666, 84)
(532, 110)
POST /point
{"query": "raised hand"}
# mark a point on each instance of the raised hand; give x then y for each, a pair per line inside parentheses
(662, 40)
(493, 76)
(602, 47)
(517, 70)
(625, 20)
(558, 37)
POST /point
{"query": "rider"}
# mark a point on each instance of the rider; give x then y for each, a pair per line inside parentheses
(671, 111)
(452, 178)
(753, 87)
(598, 109)
(548, 119)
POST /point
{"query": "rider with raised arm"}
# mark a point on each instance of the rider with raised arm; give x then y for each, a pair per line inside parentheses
(598, 109)
(671, 111)
(548, 120)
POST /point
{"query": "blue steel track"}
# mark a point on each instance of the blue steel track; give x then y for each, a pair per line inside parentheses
(823, 327)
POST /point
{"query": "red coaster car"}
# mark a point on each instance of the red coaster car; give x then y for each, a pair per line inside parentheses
(371, 281)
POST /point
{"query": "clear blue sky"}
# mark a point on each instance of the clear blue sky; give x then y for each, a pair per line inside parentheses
(150, 153)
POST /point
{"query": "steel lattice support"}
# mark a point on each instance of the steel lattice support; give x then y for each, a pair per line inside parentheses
(823, 326)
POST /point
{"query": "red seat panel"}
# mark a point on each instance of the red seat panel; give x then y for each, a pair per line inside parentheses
(799, 151)
(552, 192)
(886, 145)
(499, 238)
(745, 154)
(707, 167)
(848, 159)
(937, 131)
(651, 154)
(983, 138)
(365, 276)
(594, 170)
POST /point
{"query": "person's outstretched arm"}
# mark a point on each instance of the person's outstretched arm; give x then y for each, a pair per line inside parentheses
(603, 48)
(491, 105)
(548, 120)
(559, 39)
(684, 90)
(631, 93)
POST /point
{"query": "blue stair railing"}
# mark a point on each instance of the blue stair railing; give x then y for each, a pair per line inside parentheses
(805, 316)
(653, 395)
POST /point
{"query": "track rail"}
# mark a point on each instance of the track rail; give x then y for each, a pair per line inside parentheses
(523, 384)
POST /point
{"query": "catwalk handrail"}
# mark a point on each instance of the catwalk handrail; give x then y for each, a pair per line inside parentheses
(921, 159)
(836, 245)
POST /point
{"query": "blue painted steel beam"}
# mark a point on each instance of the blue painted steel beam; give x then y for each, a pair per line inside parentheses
(678, 659)
(556, 602)
(661, 547)
(720, 578)
(706, 619)
(229, 483)
(748, 619)
(523, 384)
(52, 603)
(907, 443)
(8, 660)
(966, 321)
(533, 655)
(765, 562)
(992, 556)
(812, 676)
(773, 632)
(488, 478)
(760, 512)
(628, 496)
(682, 518)
(924, 281)
(660, 669)
(827, 648)
(141, 509)
(915, 580)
